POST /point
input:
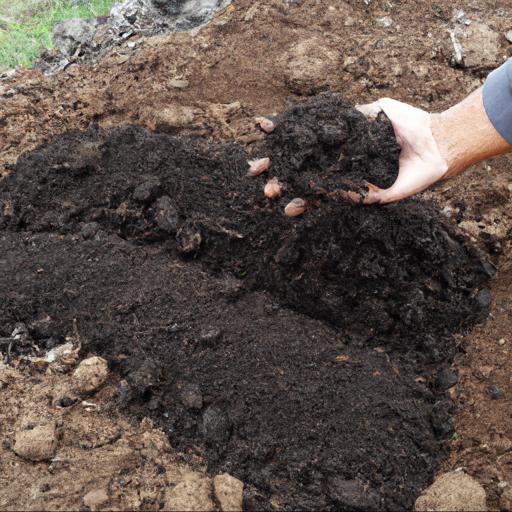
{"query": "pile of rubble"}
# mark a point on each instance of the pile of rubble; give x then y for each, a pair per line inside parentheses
(128, 22)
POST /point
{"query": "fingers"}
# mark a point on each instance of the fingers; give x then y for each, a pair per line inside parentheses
(370, 110)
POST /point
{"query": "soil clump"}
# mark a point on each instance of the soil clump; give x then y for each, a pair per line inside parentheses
(300, 355)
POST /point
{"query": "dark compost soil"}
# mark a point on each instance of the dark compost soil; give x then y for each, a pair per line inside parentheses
(300, 355)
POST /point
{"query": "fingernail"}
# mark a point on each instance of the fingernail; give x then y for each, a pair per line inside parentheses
(295, 207)
(256, 167)
(273, 189)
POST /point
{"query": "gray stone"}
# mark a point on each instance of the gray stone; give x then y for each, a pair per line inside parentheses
(484, 298)
(495, 392)
(508, 35)
(147, 190)
(70, 34)
(215, 425)
(89, 229)
(166, 216)
(446, 378)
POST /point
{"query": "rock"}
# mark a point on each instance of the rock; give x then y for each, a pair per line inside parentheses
(480, 47)
(172, 118)
(471, 227)
(37, 443)
(90, 374)
(215, 426)
(147, 190)
(506, 499)
(453, 491)
(166, 216)
(89, 229)
(189, 240)
(446, 378)
(483, 298)
(384, 22)
(69, 34)
(495, 392)
(508, 36)
(308, 65)
(175, 83)
(192, 494)
(502, 342)
(229, 492)
(460, 17)
(143, 377)
(191, 396)
(95, 499)
(210, 338)
(352, 495)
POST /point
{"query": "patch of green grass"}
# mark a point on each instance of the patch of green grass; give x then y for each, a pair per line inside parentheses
(26, 26)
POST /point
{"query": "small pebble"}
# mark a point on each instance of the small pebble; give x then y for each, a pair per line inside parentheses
(385, 22)
(90, 374)
(483, 298)
(211, 338)
(215, 426)
(508, 35)
(495, 392)
(446, 378)
(502, 341)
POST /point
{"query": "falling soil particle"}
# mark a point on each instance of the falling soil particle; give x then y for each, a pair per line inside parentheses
(384, 287)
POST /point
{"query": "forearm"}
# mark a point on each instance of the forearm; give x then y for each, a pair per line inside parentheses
(478, 127)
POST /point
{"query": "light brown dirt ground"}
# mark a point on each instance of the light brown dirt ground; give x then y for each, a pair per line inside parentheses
(251, 60)
(97, 449)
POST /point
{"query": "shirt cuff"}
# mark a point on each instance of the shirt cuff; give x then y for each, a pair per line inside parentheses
(497, 96)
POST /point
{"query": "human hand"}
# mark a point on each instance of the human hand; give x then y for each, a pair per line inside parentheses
(421, 163)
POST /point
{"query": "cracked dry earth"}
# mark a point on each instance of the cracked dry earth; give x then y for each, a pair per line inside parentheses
(228, 325)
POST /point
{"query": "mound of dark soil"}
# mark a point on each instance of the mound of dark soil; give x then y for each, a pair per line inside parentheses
(287, 350)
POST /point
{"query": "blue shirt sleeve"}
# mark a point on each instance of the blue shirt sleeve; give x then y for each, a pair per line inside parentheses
(497, 95)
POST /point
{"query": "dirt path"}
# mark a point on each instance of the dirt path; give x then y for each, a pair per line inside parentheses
(209, 84)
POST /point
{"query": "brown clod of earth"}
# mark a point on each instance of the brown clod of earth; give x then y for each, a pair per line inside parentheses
(90, 374)
(37, 442)
(192, 494)
(453, 492)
